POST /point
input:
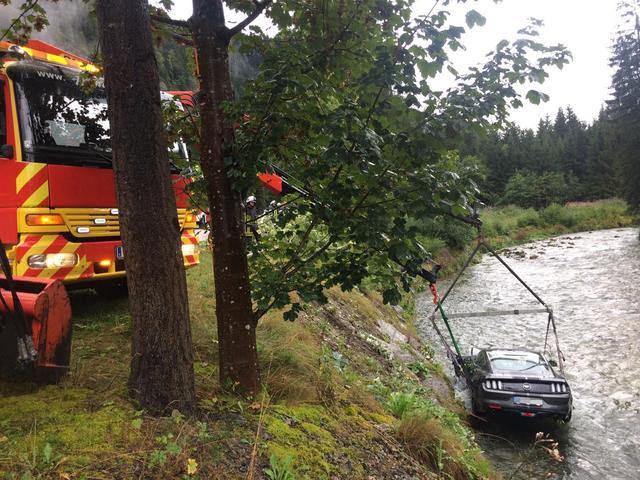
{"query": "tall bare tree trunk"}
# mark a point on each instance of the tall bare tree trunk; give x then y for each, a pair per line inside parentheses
(161, 376)
(236, 324)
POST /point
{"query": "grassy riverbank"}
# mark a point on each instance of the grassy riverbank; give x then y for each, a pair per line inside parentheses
(509, 226)
(349, 393)
(512, 225)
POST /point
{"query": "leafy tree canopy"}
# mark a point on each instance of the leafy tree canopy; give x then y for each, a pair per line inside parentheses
(624, 108)
(344, 103)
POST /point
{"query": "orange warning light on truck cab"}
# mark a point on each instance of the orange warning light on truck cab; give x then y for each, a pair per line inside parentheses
(35, 220)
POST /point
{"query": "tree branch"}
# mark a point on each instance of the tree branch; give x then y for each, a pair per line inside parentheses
(260, 6)
(260, 313)
(169, 21)
(181, 39)
(303, 243)
(369, 190)
(16, 20)
(311, 258)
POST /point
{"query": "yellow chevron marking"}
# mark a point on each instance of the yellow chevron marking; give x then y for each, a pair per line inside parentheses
(29, 171)
(77, 270)
(38, 247)
(38, 196)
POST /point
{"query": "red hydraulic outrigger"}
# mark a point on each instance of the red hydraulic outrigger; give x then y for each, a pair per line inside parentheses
(35, 325)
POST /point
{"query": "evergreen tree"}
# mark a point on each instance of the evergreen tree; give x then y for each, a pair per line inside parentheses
(624, 108)
(575, 146)
(600, 181)
(564, 154)
(560, 124)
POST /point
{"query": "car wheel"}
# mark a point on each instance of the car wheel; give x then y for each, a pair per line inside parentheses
(567, 417)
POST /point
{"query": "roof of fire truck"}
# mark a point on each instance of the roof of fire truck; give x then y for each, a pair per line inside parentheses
(39, 50)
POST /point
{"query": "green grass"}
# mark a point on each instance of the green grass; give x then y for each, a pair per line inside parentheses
(512, 225)
(335, 397)
(505, 226)
(327, 382)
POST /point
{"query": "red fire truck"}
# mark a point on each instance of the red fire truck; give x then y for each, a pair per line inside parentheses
(58, 210)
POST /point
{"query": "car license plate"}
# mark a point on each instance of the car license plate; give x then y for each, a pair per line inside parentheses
(536, 402)
(119, 253)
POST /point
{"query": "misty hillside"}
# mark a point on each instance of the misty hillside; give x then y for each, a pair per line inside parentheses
(73, 27)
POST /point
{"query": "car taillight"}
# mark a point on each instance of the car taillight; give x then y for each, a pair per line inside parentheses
(559, 388)
(493, 384)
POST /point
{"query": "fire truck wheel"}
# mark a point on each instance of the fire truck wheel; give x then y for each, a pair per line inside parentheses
(112, 290)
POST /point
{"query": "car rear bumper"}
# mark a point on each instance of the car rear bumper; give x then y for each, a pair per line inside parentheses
(504, 403)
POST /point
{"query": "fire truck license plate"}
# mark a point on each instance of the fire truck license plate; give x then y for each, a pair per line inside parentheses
(119, 253)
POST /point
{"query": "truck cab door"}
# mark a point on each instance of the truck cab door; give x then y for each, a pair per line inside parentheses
(8, 220)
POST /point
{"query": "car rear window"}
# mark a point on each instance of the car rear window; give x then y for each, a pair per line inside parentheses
(531, 363)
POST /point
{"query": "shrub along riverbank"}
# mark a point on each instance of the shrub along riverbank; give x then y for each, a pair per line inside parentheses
(511, 225)
(508, 226)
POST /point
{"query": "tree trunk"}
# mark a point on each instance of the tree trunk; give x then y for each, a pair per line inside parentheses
(236, 324)
(161, 376)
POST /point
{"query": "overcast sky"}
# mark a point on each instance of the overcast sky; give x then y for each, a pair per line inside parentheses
(586, 27)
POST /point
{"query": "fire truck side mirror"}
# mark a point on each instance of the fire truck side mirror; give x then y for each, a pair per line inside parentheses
(6, 151)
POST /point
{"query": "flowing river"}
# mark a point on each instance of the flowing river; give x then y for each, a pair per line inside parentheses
(592, 282)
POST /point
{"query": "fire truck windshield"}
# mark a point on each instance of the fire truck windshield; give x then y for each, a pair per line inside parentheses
(60, 122)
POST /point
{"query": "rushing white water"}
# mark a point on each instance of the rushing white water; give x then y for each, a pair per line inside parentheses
(592, 281)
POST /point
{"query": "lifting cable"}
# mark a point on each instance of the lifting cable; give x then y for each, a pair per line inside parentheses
(461, 369)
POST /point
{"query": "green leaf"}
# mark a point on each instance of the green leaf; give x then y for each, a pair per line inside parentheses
(391, 296)
(502, 45)
(429, 69)
(158, 457)
(474, 18)
(534, 96)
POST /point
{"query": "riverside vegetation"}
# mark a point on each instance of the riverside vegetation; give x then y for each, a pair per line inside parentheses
(449, 240)
(349, 390)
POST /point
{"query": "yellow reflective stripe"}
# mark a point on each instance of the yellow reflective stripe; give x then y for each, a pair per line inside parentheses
(56, 58)
(77, 270)
(28, 172)
(38, 196)
(38, 247)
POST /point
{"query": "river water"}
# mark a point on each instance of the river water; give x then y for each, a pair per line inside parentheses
(592, 282)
